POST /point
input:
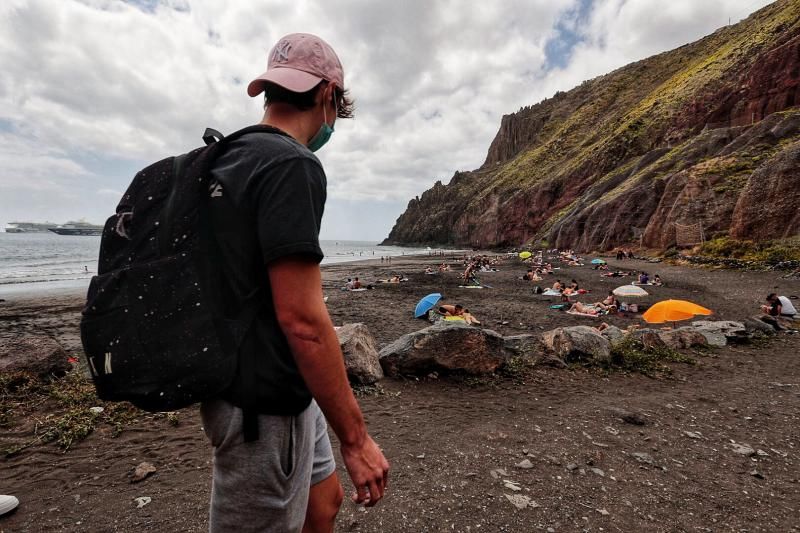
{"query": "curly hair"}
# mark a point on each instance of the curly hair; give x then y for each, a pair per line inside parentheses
(345, 107)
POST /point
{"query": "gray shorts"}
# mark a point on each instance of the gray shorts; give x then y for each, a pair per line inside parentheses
(264, 485)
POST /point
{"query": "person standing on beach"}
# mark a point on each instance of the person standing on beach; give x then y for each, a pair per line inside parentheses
(273, 465)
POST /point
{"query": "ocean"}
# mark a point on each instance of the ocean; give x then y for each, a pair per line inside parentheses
(32, 262)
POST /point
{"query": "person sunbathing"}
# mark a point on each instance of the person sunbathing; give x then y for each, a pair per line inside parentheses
(536, 276)
(451, 310)
(557, 286)
(528, 276)
(657, 280)
(578, 307)
(458, 311)
(356, 284)
(609, 303)
(469, 319)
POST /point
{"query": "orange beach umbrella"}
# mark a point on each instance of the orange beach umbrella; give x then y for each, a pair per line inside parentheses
(673, 311)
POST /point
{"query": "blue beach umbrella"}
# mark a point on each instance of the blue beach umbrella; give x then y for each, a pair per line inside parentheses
(598, 262)
(426, 304)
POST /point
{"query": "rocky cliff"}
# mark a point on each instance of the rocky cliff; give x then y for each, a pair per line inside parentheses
(703, 138)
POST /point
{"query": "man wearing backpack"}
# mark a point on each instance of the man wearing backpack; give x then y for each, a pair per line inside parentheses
(267, 197)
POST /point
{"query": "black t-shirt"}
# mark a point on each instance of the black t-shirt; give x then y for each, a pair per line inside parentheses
(267, 196)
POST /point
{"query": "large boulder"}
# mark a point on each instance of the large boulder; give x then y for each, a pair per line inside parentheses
(755, 325)
(779, 323)
(614, 335)
(650, 338)
(681, 338)
(37, 355)
(577, 343)
(445, 346)
(526, 345)
(788, 323)
(360, 354)
(721, 332)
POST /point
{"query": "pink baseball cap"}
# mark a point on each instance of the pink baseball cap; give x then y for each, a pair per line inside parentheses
(298, 62)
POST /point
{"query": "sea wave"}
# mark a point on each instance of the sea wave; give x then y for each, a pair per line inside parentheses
(33, 279)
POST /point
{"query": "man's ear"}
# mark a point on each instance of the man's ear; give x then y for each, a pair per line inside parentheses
(330, 93)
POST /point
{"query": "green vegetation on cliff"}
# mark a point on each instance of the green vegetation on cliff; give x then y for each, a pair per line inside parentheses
(673, 139)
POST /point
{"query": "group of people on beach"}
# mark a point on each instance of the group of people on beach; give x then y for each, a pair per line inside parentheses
(540, 267)
(444, 267)
(622, 254)
(477, 263)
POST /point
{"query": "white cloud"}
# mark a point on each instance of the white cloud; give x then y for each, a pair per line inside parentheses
(109, 81)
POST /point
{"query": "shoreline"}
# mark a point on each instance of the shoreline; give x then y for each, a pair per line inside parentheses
(28, 291)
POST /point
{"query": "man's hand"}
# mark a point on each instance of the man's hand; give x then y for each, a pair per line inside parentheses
(368, 469)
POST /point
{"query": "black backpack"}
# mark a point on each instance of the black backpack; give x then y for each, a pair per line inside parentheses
(153, 329)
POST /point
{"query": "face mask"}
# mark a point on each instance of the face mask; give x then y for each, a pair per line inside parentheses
(323, 134)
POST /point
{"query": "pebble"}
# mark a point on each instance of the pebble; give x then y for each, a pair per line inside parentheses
(572, 467)
(142, 471)
(520, 501)
(141, 501)
(693, 435)
(525, 464)
(598, 472)
(497, 473)
(643, 457)
(742, 449)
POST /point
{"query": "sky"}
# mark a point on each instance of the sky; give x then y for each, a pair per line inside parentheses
(93, 90)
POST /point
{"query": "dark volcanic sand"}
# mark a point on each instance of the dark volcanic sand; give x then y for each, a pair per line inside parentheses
(444, 437)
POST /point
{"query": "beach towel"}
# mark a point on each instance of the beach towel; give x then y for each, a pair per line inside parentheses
(551, 292)
(470, 286)
(358, 290)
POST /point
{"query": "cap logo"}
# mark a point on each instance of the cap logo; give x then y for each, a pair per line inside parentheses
(281, 53)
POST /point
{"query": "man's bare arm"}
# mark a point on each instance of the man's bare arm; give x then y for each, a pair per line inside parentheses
(297, 295)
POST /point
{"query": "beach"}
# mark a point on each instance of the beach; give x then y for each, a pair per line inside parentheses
(454, 442)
